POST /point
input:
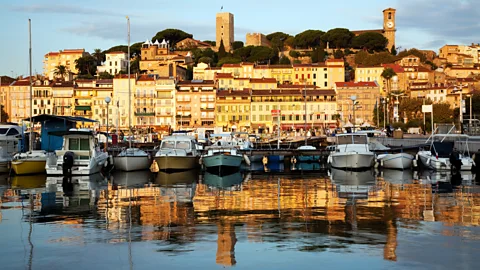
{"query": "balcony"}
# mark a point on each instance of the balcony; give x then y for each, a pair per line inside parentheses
(183, 116)
(183, 101)
(83, 108)
(165, 97)
(207, 109)
(163, 114)
(144, 113)
(144, 96)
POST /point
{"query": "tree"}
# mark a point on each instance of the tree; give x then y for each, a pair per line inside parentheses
(318, 54)
(442, 113)
(415, 52)
(86, 65)
(338, 38)
(4, 113)
(277, 39)
(370, 41)
(284, 61)
(206, 60)
(393, 50)
(135, 66)
(99, 55)
(378, 107)
(243, 53)
(294, 54)
(308, 39)
(262, 54)
(105, 75)
(366, 59)
(338, 54)
(388, 74)
(228, 60)
(60, 71)
(237, 45)
(221, 51)
(171, 35)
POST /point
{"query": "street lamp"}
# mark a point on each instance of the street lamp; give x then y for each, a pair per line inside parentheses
(354, 101)
(384, 111)
(181, 118)
(107, 100)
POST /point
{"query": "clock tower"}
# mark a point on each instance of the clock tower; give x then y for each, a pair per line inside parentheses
(389, 27)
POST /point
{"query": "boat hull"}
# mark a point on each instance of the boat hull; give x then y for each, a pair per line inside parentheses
(166, 163)
(352, 160)
(435, 163)
(132, 163)
(94, 166)
(308, 158)
(26, 166)
(222, 161)
(399, 161)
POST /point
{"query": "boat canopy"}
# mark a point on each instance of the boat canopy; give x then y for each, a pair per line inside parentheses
(352, 138)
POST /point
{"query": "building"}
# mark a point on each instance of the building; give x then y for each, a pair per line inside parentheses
(65, 58)
(195, 104)
(461, 72)
(42, 97)
(225, 30)
(388, 30)
(288, 103)
(457, 54)
(282, 73)
(114, 63)
(233, 109)
(370, 74)
(83, 93)
(156, 58)
(199, 71)
(165, 109)
(102, 110)
(5, 99)
(63, 103)
(366, 94)
(190, 43)
(19, 100)
(242, 70)
(121, 96)
(144, 102)
(256, 39)
(323, 75)
(435, 92)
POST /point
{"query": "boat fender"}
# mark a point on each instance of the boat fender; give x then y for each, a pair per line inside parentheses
(247, 160)
(416, 157)
(265, 160)
(414, 163)
(381, 162)
(428, 162)
(294, 160)
(329, 159)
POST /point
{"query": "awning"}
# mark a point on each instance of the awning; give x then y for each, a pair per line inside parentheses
(83, 108)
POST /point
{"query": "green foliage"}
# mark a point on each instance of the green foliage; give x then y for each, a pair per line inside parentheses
(318, 55)
(278, 39)
(135, 66)
(99, 55)
(399, 125)
(308, 39)
(411, 108)
(475, 104)
(207, 53)
(60, 71)
(442, 113)
(366, 59)
(221, 51)
(237, 45)
(262, 54)
(4, 114)
(171, 35)
(86, 65)
(370, 41)
(296, 61)
(206, 60)
(380, 114)
(338, 54)
(347, 51)
(415, 52)
(105, 75)
(243, 53)
(294, 54)
(290, 42)
(284, 61)
(413, 123)
(213, 43)
(338, 37)
(228, 60)
(85, 76)
(432, 65)
(393, 50)
(135, 49)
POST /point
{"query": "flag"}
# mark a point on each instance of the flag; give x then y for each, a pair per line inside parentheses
(221, 8)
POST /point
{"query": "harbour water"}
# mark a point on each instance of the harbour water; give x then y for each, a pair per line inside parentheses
(258, 220)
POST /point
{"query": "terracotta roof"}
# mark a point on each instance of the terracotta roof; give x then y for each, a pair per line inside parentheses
(73, 51)
(124, 76)
(272, 66)
(145, 78)
(62, 84)
(83, 80)
(335, 60)
(213, 68)
(365, 66)
(247, 64)
(105, 81)
(231, 65)
(21, 83)
(196, 82)
(292, 92)
(220, 75)
(263, 80)
(243, 79)
(233, 93)
(52, 53)
(297, 86)
(465, 68)
(355, 84)
(395, 67)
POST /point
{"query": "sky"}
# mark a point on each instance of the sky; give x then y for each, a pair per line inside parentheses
(90, 24)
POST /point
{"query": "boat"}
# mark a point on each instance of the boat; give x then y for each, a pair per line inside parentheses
(352, 152)
(187, 177)
(442, 146)
(80, 154)
(132, 159)
(399, 161)
(223, 181)
(307, 158)
(178, 152)
(223, 154)
(32, 162)
(4, 161)
(10, 135)
(129, 179)
(397, 177)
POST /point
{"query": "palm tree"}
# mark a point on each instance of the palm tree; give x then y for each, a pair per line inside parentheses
(388, 74)
(61, 71)
(99, 55)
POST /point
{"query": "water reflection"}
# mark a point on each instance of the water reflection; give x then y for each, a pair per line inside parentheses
(28, 181)
(226, 219)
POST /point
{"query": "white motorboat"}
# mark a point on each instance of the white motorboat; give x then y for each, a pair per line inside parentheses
(80, 155)
(132, 159)
(442, 146)
(178, 152)
(4, 161)
(224, 153)
(351, 152)
(10, 135)
(399, 161)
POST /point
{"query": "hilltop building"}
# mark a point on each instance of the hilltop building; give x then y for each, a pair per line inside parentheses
(65, 58)
(225, 30)
(388, 30)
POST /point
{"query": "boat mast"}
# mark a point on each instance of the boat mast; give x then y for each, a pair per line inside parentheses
(31, 94)
(129, 91)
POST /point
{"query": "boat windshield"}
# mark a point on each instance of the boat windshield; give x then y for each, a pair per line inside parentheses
(352, 139)
(3, 131)
(175, 145)
(167, 145)
(183, 145)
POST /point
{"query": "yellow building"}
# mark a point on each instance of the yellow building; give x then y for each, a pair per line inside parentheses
(370, 74)
(5, 99)
(366, 93)
(165, 109)
(124, 114)
(242, 70)
(103, 89)
(19, 100)
(323, 75)
(209, 73)
(144, 101)
(233, 109)
(156, 58)
(263, 83)
(282, 73)
(42, 97)
(195, 104)
(461, 72)
(303, 74)
(226, 81)
(65, 58)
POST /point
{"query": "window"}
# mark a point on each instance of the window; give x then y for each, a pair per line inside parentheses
(34, 111)
(12, 131)
(325, 75)
(325, 84)
(78, 144)
(314, 75)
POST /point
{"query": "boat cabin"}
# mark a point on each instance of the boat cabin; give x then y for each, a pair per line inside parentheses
(79, 141)
(10, 135)
(352, 142)
(179, 142)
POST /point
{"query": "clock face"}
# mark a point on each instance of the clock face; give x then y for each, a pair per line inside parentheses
(389, 24)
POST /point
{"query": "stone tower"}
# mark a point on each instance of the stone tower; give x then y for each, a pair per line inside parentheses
(225, 30)
(389, 26)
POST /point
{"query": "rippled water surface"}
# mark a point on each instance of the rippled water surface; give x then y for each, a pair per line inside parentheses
(301, 220)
